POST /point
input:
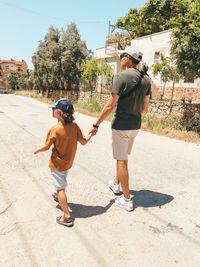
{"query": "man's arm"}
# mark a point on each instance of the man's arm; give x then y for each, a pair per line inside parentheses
(145, 104)
(105, 111)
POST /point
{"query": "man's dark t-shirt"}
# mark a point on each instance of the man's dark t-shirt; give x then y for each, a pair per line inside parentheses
(128, 110)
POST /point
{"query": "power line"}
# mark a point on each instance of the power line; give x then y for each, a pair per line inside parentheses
(26, 10)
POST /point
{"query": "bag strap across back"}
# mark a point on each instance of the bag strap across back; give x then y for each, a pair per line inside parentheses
(134, 87)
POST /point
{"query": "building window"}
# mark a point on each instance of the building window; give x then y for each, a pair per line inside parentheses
(7, 67)
(0, 74)
(156, 56)
(19, 69)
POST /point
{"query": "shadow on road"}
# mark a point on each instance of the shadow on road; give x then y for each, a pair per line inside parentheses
(85, 211)
(147, 199)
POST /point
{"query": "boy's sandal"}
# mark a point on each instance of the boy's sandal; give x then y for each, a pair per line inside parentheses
(66, 221)
(55, 197)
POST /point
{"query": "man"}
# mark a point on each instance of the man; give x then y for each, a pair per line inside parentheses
(130, 94)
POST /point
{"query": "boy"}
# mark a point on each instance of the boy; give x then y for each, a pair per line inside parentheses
(64, 137)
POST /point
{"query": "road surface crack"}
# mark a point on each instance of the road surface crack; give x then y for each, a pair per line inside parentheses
(5, 210)
(8, 231)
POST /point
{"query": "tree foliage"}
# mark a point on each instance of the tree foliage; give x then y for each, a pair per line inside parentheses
(151, 18)
(17, 80)
(57, 61)
(186, 39)
(91, 70)
(167, 69)
(105, 69)
(73, 53)
(13, 80)
(181, 17)
(123, 39)
(154, 16)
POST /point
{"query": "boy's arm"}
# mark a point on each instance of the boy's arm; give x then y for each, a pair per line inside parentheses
(41, 149)
(84, 140)
(49, 141)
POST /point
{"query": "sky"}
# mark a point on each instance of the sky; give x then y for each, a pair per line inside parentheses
(24, 23)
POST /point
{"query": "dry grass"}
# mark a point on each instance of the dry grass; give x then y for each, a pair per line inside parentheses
(38, 97)
(187, 136)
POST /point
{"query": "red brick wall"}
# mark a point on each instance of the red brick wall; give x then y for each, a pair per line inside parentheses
(179, 93)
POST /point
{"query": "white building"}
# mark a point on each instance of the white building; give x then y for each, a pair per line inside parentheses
(151, 46)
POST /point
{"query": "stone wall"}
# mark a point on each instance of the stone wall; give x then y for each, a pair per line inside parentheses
(86, 95)
(185, 113)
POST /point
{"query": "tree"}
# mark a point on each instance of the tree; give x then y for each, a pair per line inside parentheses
(23, 80)
(168, 70)
(13, 80)
(186, 38)
(105, 71)
(123, 39)
(162, 69)
(46, 60)
(17, 80)
(57, 61)
(73, 53)
(90, 72)
(130, 22)
(151, 18)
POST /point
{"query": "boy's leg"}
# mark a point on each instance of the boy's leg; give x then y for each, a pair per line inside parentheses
(62, 198)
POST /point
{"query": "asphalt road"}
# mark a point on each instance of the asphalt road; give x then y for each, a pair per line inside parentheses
(163, 230)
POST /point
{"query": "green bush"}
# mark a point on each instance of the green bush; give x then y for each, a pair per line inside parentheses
(156, 123)
(91, 104)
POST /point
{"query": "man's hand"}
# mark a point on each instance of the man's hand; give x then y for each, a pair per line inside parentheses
(93, 131)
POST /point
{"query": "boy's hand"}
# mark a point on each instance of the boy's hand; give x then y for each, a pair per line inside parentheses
(41, 149)
(36, 151)
(93, 131)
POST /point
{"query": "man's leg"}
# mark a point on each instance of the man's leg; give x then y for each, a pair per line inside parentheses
(62, 198)
(116, 180)
(123, 177)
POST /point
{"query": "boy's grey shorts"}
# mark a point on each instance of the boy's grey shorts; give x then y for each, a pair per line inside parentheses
(122, 142)
(59, 179)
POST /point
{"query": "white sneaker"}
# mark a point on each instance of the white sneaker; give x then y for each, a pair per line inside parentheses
(122, 203)
(114, 187)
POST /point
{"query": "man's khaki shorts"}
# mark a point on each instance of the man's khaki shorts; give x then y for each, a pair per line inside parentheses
(122, 142)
